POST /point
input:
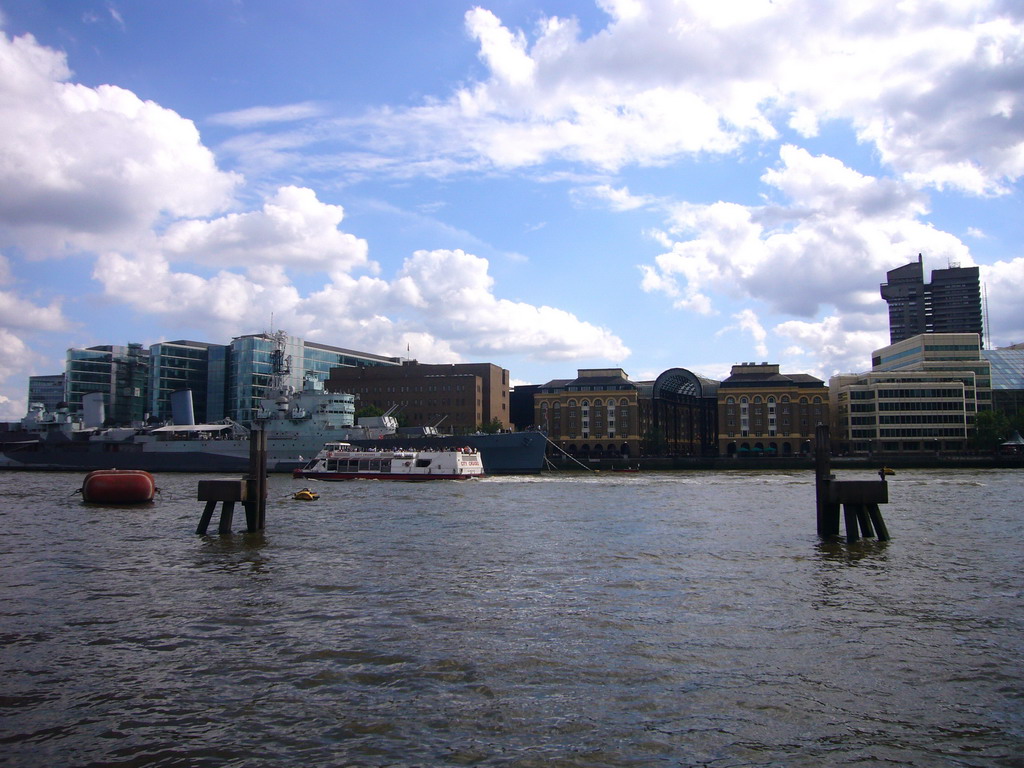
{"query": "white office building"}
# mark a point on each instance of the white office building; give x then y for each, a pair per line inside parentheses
(922, 395)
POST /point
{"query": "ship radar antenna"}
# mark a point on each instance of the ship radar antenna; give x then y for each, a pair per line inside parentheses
(280, 363)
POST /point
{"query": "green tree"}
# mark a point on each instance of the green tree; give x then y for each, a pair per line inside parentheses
(990, 429)
(491, 427)
(1017, 422)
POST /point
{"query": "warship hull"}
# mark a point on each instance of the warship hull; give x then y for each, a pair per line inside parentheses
(502, 453)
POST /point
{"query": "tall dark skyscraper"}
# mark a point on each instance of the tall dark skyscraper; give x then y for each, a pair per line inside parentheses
(951, 303)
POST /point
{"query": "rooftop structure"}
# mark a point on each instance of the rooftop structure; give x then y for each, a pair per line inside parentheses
(950, 303)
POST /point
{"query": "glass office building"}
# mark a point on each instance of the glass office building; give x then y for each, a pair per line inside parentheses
(120, 372)
(255, 361)
(216, 383)
(48, 390)
(226, 380)
(251, 369)
(176, 365)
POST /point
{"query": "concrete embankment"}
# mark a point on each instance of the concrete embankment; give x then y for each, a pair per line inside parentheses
(718, 463)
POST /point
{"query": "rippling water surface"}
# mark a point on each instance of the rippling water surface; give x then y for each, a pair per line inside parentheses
(675, 619)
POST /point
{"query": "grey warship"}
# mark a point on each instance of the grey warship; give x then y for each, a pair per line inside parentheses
(297, 423)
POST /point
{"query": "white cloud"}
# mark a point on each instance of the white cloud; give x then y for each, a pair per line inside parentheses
(747, 321)
(453, 292)
(19, 314)
(623, 10)
(18, 363)
(822, 246)
(220, 304)
(21, 319)
(293, 229)
(805, 122)
(503, 51)
(618, 199)
(935, 87)
(247, 118)
(835, 344)
(795, 256)
(100, 170)
(1004, 284)
(440, 302)
(93, 167)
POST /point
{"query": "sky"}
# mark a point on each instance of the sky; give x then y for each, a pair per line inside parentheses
(546, 185)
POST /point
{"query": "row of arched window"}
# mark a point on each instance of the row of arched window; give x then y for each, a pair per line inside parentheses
(771, 399)
(598, 403)
(598, 451)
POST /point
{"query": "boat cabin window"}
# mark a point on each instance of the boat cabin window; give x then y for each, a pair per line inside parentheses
(423, 462)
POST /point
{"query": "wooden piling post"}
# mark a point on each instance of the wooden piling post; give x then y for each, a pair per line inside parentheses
(876, 518)
(204, 521)
(227, 514)
(852, 529)
(251, 491)
(227, 492)
(828, 510)
(256, 482)
(859, 498)
(866, 528)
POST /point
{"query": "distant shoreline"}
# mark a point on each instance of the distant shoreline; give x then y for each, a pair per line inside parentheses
(721, 463)
(717, 464)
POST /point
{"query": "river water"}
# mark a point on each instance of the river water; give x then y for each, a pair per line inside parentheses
(653, 619)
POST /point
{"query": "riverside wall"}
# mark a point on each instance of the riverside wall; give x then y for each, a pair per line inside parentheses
(725, 463)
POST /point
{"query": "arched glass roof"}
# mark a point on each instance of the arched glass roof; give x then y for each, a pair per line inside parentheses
(677, 383)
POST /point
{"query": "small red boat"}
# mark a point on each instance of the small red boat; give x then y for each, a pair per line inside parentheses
(118, 486)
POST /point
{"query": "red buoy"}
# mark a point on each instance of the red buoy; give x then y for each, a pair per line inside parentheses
(118, 486)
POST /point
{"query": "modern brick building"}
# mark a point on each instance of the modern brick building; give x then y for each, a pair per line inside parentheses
(595, 415)
(457, 398)
(764, 412)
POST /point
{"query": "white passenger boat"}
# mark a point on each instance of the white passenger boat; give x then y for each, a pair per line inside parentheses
(343, 461)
